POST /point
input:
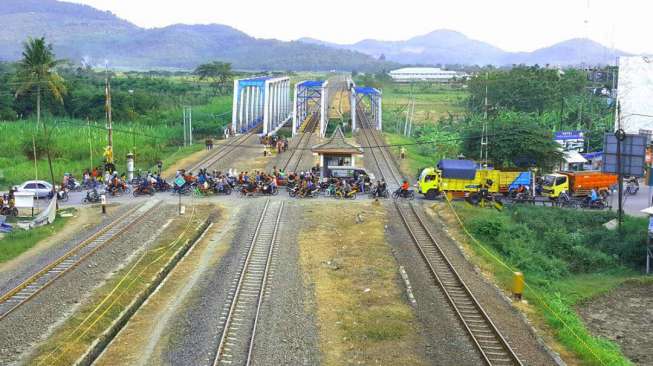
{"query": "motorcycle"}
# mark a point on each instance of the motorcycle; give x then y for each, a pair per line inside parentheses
(143, 190)
(223, 189)
(632, 187)
(379, 193)
(8, 211)
(92, 197)
(399, 193)
(249, 190)
(73, 185)
(598, 204)
(62, 195)
(268, 189)
(348, 195)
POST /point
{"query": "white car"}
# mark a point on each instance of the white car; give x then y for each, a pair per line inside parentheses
(40, 188)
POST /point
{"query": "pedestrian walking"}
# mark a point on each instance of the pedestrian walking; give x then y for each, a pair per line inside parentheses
(402, 153)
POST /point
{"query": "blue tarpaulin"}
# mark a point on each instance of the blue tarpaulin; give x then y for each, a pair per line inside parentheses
(457, 169)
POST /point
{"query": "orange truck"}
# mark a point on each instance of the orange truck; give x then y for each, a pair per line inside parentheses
(577, 183)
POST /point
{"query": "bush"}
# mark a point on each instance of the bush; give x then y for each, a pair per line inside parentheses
(553, 243)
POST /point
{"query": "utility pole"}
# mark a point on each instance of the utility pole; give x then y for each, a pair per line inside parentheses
(184, 113)
(484, 134)
(621, 136)
(188, 125)
(108, 107)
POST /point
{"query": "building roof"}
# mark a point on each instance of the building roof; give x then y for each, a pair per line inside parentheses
(574, 157)
(422, 70)
(337, 145)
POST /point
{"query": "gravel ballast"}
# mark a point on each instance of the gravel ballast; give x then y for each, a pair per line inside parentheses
(287, 333)
(35, 320)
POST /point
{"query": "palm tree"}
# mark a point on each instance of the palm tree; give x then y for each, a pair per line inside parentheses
(36, 73)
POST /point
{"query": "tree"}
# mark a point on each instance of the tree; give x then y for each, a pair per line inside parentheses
(525, 88)
(219, 72)
(516, 140)
(36, 73)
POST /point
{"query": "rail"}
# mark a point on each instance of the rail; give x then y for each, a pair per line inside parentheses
(39, 281)
(237, 341)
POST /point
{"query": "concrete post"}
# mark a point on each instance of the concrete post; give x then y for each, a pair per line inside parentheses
(242, 110)
(277, 103)
(352, 104)
(266, 108)
(234, 111)
(248, 109)
(324, 101)
(287, 100)
(380, 114)
(294, 113)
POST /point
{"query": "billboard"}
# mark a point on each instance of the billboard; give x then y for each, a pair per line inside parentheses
(636, 94)
(633, 152)
(571, 140)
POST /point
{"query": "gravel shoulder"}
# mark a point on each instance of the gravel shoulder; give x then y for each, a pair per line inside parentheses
(37, 319)
(145, 338)
(363, 317)
(624, 316)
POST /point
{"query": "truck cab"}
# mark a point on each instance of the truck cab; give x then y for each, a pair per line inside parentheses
(429, 183)
(554, 184)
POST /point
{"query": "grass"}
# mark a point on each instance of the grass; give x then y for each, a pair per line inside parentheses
(19, 241)
(432, 102)
(73, 337)
(361, 314)
(76, 145)
(553, 292)
(414, 160)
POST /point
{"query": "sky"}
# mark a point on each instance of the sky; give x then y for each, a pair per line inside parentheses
(513, 25)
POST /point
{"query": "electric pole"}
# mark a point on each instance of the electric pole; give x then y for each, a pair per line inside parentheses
(484, 134)
(108, 107)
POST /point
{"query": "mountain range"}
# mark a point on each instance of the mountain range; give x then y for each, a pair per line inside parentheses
(81, 33)
(447, 47)
(84, 34)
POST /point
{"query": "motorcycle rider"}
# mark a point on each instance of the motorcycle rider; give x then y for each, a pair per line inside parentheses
(404, 188)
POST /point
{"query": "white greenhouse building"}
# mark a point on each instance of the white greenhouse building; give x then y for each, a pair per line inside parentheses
(434, 74)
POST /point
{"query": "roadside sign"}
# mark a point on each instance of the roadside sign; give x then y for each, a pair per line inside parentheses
(24, 199)
(633, 153)
(571, 140)
(180, 181)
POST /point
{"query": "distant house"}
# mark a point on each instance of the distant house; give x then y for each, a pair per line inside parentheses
(432, 74)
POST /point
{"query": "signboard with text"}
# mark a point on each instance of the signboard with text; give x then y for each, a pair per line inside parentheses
(571, 140)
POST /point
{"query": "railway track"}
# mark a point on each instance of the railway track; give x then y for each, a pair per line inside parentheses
(487, 339)
(222, 153)
(492, 346)
(39, 281)
(295, 158)
(240, 321)
(380, 155)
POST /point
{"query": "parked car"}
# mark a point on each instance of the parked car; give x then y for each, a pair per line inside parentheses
(40, 188)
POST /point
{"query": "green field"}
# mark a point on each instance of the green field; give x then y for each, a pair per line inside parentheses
(432, 102)
(77, 145)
